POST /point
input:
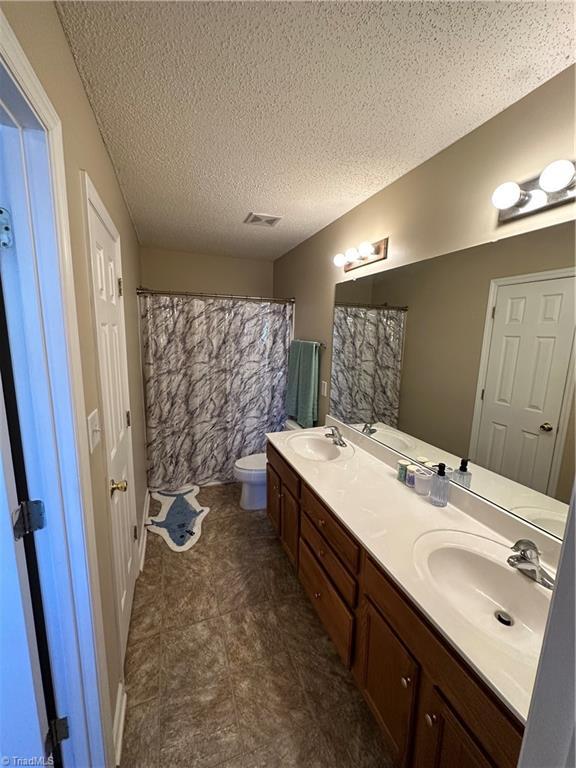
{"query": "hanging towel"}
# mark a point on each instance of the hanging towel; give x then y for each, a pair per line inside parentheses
(302, 390)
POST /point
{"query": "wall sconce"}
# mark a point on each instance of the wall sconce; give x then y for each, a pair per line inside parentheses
(365, 253)
(556, 185)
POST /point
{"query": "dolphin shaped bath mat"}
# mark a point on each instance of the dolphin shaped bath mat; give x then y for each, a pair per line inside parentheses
(179, 521)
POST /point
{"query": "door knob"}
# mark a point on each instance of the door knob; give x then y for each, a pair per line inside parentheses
(118, 485)
(546, 427)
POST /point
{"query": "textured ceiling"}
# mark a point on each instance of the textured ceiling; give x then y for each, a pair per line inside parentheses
(211, 110)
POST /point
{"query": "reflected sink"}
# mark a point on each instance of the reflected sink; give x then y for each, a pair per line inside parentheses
(471, 574)
(316, 447)
(549, 519)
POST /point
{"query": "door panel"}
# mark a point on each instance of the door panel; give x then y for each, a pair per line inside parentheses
(530, 348)
(273, 497)
(106, 268)
(290, 524)
(390, 681)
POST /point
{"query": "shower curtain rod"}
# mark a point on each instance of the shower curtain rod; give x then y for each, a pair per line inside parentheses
(152, 292)
(371, 306)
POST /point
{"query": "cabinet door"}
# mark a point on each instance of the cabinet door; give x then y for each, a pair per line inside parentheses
(389, 677)
(273, 491)
(442, 741)
(290, 513)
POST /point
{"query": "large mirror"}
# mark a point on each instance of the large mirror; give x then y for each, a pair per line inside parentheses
(469, 355)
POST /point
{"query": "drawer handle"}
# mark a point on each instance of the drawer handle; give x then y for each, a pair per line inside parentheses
(321, 552)
(317, 595)
(430, 720)
(321, 522)
(405, 681)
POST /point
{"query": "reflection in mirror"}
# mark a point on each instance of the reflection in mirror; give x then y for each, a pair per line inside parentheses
(469, 355)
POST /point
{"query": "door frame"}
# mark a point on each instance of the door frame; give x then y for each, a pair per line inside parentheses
(79, 576)
(91, 199)
(569, 388)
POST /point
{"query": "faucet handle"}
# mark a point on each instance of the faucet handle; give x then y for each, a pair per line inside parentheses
(526, 548)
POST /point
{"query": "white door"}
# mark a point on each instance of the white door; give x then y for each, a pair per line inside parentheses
(109, 316)
(23, 719)
(527, 373)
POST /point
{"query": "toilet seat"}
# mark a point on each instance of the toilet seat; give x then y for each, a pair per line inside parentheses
(257, 461)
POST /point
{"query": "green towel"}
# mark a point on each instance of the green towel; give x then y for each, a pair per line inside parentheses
(302, 390)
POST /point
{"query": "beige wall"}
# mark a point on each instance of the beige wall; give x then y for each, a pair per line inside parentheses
(439, 207)
(447, 299)
(38, 29)
(179, 271)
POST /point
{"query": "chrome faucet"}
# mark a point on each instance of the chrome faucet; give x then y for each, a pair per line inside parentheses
(368, 429)
(528, 563)
(336, 436)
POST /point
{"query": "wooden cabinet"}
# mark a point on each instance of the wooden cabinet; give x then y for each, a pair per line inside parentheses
(333, 611)
(290, 514)
(442, 740)
(389, 679)
(434, 711)
(283, 502)
(273, 497)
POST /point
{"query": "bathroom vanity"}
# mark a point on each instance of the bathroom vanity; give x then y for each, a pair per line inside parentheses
(445, 691)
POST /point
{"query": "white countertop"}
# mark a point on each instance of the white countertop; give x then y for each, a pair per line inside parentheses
(538, 508)
(388, 519)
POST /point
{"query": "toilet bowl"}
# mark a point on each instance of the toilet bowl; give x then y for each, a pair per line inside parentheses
(251, 472)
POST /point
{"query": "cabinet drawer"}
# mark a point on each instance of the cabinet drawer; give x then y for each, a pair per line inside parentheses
(334, 533)
(334, 614)
(288, 477)
(344, 583)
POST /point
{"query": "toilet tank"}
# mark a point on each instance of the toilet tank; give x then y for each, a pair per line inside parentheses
(290, 425)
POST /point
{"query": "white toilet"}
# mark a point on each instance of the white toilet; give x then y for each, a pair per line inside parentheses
(251, 472)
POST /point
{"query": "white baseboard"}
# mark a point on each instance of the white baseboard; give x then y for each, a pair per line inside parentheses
(143, 529)
(119, 718)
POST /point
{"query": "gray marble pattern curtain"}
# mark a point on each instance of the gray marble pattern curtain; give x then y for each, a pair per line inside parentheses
(367, 348)
(214, 383)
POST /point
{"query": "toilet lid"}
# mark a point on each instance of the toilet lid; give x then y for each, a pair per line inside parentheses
(255, 461)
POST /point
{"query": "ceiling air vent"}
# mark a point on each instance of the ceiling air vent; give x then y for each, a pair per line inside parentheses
(262, 219)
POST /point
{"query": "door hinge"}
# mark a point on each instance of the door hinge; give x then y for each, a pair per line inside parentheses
(6, 239)
(30, 517)
(135, 533)
(482, 394)
(128, 418)
(493, 312)
(58, 731)
(120, 287)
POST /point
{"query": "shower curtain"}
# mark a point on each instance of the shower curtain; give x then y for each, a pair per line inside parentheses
(367, 350)
(214, 383)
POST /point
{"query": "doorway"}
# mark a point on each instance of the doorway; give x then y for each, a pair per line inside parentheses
(526, 381)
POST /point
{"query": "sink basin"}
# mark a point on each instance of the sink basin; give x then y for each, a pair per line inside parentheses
(316, 447)
(394, 440)
(471, 574)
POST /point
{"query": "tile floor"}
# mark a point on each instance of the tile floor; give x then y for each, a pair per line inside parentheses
(227, 663)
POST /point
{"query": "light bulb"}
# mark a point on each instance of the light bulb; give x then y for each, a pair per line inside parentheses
(557, 176)
(365, 249)
(339, 260)
(507, 195)
(351, 255)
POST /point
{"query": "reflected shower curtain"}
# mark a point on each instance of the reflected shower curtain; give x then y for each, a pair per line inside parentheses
(367, 350)
(214, 383)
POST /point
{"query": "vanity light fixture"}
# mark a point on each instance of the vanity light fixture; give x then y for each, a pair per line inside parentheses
(365, 253)
(556, 185)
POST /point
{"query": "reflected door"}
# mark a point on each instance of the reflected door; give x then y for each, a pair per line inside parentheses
(527, 374)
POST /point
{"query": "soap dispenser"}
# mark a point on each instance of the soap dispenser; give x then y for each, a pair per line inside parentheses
(463, 476)
(440, 487)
